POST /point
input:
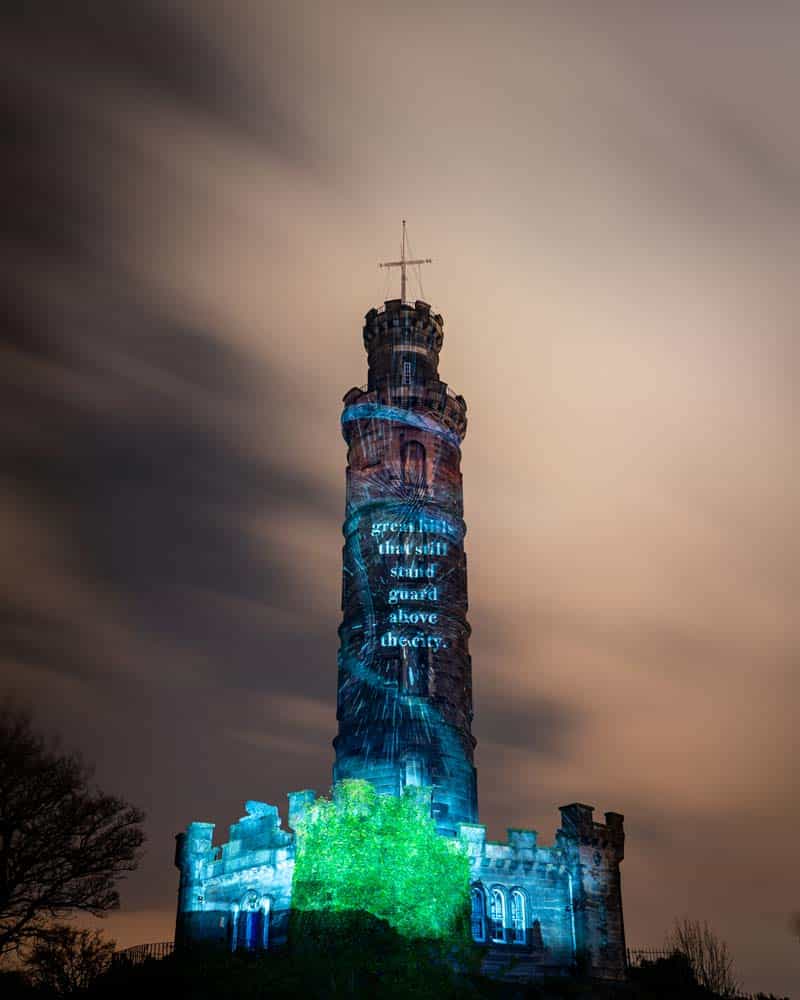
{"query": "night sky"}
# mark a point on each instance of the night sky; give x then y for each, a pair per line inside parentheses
(197, 196)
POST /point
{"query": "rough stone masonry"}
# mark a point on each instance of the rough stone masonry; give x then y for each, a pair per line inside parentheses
(404, 705)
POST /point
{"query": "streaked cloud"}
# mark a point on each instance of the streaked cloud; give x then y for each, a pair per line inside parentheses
(197, 199)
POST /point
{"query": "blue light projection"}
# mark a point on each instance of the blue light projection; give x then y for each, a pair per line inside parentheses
(420, 421)
(405, 701)
(404, 712)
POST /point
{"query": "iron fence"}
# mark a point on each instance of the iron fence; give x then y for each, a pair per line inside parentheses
(636, 956)
(142, 952)
(162, 949)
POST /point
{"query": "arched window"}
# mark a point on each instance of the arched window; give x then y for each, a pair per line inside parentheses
(498, 915)
(518, 916)
(249, 927)
(478, 914)
(415, 672)
(414, 767)
(412, 459)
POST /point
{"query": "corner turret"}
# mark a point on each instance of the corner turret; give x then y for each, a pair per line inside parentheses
(594, 852)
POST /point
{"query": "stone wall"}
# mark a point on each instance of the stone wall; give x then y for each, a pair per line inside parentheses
(239, 894)
(570, 892)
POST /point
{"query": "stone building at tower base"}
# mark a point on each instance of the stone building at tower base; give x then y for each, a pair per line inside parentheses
(539, 910)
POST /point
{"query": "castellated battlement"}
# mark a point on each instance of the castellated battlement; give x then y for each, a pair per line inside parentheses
(578, 828)
(258, 832)
(403, 342)
(578, 824)
(558, 903)
(416, 320)
(538, 908)
(237, 894)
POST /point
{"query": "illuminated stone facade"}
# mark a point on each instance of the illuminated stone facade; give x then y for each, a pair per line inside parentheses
(547, 910)
(405, 676)
(404, 703)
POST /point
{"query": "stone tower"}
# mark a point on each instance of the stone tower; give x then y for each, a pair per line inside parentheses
(404, 688)
(405, 700)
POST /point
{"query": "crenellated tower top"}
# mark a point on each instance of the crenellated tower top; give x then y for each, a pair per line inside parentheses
(403, 342)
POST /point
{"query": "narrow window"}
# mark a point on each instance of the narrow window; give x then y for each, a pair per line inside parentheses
(415, 771)
(498, 916)
(415, 674)
(372, 443)
(478, 915)
(233, 927)
(391, 671)
(264, 936)
(250, 923)
(247, 930)
(412, 457)
(518, 916)
(406, 373)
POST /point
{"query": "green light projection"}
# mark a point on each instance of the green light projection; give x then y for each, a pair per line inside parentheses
(380, 854)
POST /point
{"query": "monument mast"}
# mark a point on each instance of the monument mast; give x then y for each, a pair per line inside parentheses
(404, 264)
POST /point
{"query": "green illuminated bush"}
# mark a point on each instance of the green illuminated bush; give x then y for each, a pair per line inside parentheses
(380, 854)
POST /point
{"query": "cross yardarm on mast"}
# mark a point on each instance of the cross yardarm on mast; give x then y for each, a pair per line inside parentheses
(403, 263)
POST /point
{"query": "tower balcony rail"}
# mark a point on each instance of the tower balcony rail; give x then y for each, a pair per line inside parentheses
(450, 392)
(143, 952)
(394, 304)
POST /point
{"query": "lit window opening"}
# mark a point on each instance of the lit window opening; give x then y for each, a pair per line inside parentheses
(498, 915)
(518, 916)
(478, 917)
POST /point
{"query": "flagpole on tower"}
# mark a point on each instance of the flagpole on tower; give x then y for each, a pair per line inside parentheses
(403, 264)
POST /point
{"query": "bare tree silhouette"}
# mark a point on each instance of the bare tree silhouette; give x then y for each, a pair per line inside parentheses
(63, 844)
(69, 959)
(711, 962)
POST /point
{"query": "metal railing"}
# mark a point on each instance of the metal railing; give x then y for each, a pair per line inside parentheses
(163, 949)
(142, 952)
(638, 955)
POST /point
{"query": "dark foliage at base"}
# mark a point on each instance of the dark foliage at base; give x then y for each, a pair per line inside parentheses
(334, 955)
(374, 966)
(671, 977)
(355, 955)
